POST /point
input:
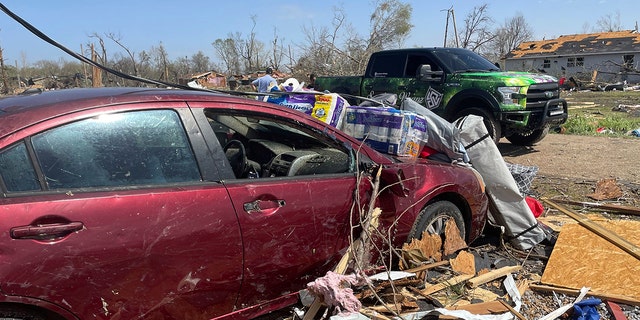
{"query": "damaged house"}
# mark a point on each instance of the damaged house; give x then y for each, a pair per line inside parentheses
(606, 57)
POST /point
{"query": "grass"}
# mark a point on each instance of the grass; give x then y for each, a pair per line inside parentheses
(598, 112)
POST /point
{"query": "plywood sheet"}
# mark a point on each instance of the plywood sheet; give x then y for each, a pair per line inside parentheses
(581, 258)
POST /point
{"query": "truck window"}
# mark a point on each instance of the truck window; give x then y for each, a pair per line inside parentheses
(386, 66)
(413, 64)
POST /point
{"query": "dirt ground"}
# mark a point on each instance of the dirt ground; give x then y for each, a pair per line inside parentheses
(569, 168)
(570, 165)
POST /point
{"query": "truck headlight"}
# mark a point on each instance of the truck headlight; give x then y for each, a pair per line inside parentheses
(510, 95)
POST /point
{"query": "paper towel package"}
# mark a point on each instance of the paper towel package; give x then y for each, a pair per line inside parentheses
(387, 129)
(330, 109)
(301, 102)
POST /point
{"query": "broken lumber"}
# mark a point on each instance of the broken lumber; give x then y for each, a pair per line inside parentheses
(575, 292)
(427, 266)
(492, 275)
(600, 206)
(445, 284)
(490, 307)
(599, 230)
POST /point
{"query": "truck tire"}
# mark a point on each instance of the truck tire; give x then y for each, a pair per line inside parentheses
(434, 217)
(490, 122)
(528, 138)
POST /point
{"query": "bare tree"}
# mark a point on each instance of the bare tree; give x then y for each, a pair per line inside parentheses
(477, 29)
(117, 39)
(509, 36)
(339, 50)
(389, 25)
(227, 50)
(200, 62)
(609, 23)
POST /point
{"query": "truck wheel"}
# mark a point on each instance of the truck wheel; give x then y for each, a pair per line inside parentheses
(528, 138)
(493, 126)
(434, 217)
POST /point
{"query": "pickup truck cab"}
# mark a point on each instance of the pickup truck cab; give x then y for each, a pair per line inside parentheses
(456, 82)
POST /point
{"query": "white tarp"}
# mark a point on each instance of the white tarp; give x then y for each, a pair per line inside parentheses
(508, 205)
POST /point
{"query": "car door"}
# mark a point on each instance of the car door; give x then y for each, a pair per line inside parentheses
(295, 225)
(126, 225)
(397, 73)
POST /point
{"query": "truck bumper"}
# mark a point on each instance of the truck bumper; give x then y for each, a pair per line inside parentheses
(554, 113)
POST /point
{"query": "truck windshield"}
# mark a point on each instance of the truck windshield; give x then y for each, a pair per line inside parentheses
(462, 60)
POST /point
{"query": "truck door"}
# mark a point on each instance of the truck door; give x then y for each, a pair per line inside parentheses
(398, 74)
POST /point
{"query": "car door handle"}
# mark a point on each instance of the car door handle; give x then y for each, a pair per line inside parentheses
(263, 205)
(45, 231)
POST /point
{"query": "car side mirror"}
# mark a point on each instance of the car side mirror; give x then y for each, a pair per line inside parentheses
(426, 74)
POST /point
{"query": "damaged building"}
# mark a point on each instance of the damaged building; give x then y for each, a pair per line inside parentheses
(605, 57)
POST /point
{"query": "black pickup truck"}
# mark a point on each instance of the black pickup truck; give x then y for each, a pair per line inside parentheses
(454, 83)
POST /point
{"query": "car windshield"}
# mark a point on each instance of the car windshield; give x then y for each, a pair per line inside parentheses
(458, 60)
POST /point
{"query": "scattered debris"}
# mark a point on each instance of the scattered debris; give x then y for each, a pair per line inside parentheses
(606, 189)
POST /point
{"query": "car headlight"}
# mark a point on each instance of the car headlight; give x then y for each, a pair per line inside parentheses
(511, 95)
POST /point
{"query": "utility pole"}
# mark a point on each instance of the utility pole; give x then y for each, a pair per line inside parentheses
(451, 14)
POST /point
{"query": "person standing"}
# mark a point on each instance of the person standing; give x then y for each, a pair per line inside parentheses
(262, 84)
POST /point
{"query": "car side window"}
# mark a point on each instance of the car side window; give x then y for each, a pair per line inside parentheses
(17, 171)
(266, 147)
(121, 149)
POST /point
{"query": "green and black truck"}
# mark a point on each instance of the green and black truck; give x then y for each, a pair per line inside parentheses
(454, 82)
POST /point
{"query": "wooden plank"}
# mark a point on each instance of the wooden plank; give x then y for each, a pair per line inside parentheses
(490, 276)
(600, 206)
(598, 229)
(428, 266)
(490, 307)
(445, 284)
(576, 292)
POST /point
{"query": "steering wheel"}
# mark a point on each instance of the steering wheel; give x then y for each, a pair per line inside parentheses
(237, 156)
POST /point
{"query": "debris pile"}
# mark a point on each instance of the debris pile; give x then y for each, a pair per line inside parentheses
(589, 272)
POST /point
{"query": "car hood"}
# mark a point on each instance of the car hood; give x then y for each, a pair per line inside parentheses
(509, 78)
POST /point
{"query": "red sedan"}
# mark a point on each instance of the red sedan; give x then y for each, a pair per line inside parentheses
(123, 203)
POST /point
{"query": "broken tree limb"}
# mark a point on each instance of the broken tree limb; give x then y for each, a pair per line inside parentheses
(575, 292)
(446, 284)
(599, 230)
(490, 276)
(600, 206)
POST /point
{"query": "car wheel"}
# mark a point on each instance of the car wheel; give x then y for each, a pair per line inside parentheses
(20, 313)
(434, 217)
(529, 138)
(490, 122)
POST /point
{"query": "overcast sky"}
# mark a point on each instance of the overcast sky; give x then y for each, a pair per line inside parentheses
(186, 27)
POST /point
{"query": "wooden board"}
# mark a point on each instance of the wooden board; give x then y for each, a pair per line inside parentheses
(581, 258)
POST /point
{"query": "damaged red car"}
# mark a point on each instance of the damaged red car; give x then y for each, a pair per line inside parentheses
(123, 203)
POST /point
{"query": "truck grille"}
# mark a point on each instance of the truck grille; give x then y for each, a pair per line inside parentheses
(539, 94)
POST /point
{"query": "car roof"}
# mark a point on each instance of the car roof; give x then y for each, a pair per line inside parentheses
(21, 111)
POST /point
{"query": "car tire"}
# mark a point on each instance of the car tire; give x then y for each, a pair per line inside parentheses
(15, 312)
(490, 122)
(433, 219)
(530, 138)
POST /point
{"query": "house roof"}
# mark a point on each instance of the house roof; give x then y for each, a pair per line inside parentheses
(579, 44)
